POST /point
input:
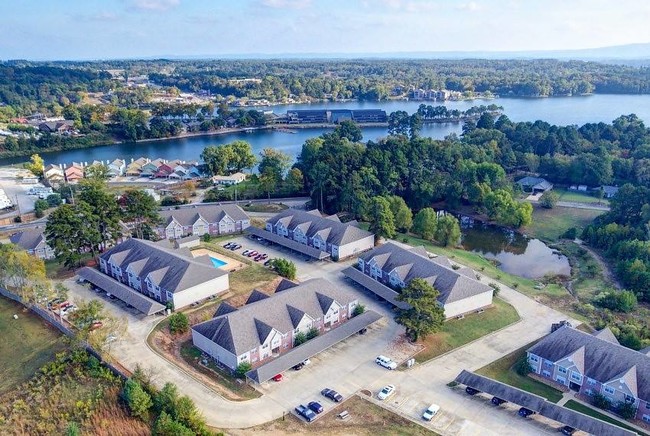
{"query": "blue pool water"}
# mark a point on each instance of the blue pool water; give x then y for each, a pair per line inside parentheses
(217, 262)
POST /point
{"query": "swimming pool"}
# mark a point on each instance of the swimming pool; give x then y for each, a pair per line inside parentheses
(217, 262)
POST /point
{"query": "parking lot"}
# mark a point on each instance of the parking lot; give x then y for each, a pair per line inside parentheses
(16, 191)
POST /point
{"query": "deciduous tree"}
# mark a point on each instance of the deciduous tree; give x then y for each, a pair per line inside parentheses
(426, 315)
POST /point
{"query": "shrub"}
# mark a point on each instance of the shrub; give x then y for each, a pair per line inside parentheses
(358, 310)
(522, 365)
(312, 333)
(40, 206)
(54, 200)
(299, 339)
(623, 301)
(206, 238)
(571, 233)
(285, 268)
(601, 401)
(172, 201)
(179, 323)
(626, 410)
(242, 369)
(165, 425)
(137, 400)
(495, 287)
(549, 199)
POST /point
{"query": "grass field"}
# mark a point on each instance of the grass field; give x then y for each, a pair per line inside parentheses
(458, 332)
(579, 407)
(265, 207)
(502, 371)
(26, 344)
(549, 224)
(579, 197)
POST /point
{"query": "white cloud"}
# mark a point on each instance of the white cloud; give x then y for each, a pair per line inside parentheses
(153, 5)
(470, 6)
(286, 4)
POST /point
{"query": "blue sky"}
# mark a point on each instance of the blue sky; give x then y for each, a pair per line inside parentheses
(99, 29)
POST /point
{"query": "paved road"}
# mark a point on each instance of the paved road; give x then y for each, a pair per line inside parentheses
(349, 367)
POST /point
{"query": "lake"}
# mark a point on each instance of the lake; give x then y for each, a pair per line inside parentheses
(556, 110)
(515, 253)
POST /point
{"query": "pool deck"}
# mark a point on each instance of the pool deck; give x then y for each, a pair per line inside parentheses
(231, 264)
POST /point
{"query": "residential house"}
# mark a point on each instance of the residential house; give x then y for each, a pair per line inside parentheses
(149, 169)
(609, 191)
(266, 326)
(233, 179)
(395, 267)
(56, 126)
(33, 241)
(163, 274)
(327, 234)
(74, 173)
(534, 185)
(164, 171)
(594, 364)
(53, 174)
(202, 219)
(116, 168)
(135, 167)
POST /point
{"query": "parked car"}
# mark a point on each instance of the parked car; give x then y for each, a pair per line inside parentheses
(298, 367)
(235, 247)
(252, 253)
(332, 395)
(525, 412)
(498, 401)
(264, 255)
(386, 392)
(306, 413)
(268, 262)
(228, 245)
(258, 258)
(567, 430)
(431, 411)
(385, 362)
(277, 378)
(471, 391)
(315, 406)
(245, 253)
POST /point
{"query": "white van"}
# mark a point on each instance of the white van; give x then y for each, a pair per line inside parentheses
(385, 362)
(431, 411)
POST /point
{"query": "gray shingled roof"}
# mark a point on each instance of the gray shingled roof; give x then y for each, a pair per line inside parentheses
(535, 183)
(182, 271)
(289, 243)
(607, 335)
(212, 213)
(28, 239)
(334, 231)
(374, 286)
(410, 264)
(603, 360)
(141, 302)
(538, 404)
(313, 347)
(242, 330)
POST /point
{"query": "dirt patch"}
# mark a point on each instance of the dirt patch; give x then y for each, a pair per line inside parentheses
(401, 349)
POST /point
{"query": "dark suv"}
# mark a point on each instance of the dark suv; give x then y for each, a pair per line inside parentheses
(332, 395)
(525, 412)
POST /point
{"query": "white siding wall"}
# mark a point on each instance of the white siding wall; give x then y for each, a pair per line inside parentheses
(200, 292)
(468, 304)
(305, 324)
(356, 247)
(214, 350)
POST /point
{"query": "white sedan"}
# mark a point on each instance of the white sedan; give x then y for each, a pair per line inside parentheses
(386, 392)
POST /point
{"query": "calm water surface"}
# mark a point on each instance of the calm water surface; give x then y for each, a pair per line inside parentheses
(558, 110)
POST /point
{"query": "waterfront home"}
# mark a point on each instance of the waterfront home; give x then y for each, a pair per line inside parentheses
(325, 116)
(163, 171)
(267, 325)
(135, 167)
(213, 219)
(392, 267)
(116, 168)
(233, 179)
(150, 168)
(315, 235)
(162, 274)
(74, 173)
(56, 126)
(594, 364)
(33, 241)
(53, 174)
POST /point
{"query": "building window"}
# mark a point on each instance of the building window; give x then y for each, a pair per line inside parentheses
(533, 358)
(609, 390)
(629, 399)
(591, 381)
(589, 392)
(647, 405)
(646, 418)
(546, 373)
(561, 370)
(576, 377)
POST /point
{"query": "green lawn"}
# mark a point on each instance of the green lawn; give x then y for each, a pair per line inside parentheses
(579, 407)
(26, 344)
(458, 332)
(265, 207)
(549, 224)
(579, 197)
(502, 371)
